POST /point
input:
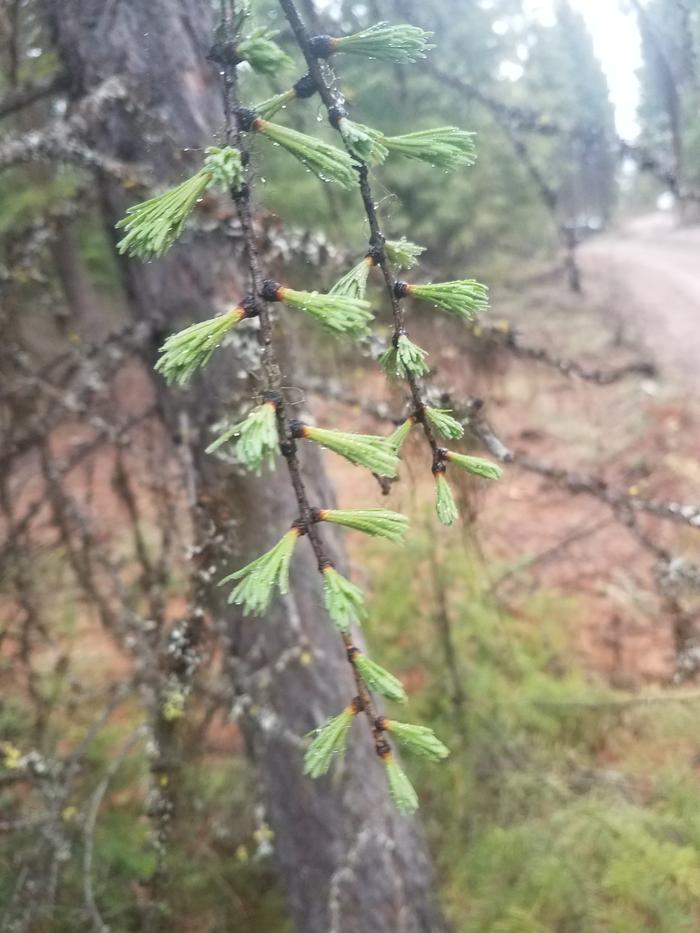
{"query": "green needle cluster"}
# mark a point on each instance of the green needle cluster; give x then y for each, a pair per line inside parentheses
(366, 450)
(476, 465)
(340, 314)
(420, 740)
(344, 602)
(402, 791)
(445, 147)
(464, 297)
(442, 421)
(354, 283)
(262, 54)
(445, 504)
(327, 162)
(397, 438)
(266, 109)
(404, 359)
(377, 678)
(400, 44)
(184, 353)
(402, 253)
(258, 580)
(364, 143)
(256, 438)
(380, 523)
(329, 742)
(154, 225)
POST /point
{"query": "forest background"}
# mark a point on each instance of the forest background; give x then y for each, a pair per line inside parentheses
(551, 638)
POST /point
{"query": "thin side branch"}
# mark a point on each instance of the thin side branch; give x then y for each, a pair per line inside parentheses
(270, 363)
(27, 94)
(335, 104)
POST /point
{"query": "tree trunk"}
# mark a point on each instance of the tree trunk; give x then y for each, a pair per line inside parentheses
(347, 862)
(72, 274)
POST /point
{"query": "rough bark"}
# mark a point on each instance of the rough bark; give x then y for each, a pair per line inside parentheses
(347, 862)
(75, 282)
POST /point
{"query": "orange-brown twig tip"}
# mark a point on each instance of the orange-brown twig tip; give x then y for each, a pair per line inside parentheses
(259, 125)
(271, 290)
(238, 313)
(383, 749)
(297, 428)
(322, 516)
(355, 707)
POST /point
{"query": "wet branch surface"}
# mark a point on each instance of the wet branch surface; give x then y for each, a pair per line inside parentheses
(270, 363)
(335, 107)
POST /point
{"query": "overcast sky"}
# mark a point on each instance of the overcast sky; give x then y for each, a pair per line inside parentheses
(617, 45)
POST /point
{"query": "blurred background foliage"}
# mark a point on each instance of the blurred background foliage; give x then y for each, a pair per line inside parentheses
(567, 805)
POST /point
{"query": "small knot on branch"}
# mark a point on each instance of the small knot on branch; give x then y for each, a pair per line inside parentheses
(224, 53)
(250, 306)
(301, 525)
(376, 254)
(322, 46)
(305, 86)
(336, 114)
(270, 290)
(247, 119)
(440, 460)
(382, 748)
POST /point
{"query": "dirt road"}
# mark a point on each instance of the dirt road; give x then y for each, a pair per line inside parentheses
(655, 268)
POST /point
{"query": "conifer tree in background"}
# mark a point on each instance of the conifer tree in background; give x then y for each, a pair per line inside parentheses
(151, 228)
(670, 105)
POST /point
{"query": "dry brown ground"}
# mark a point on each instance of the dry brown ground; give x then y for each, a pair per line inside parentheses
(642, 298)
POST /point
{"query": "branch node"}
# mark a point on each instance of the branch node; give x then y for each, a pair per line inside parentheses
(305, 86)
(322, 46)
(270, 290)
(246, 118)
(336, 113)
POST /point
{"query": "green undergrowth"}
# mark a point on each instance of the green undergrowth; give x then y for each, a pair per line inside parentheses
(563, 806)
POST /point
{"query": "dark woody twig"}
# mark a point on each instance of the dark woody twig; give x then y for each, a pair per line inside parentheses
(521, 119)
(27, 94)
(508, 337)
(335, 107)
(470, 412)
(270, 363)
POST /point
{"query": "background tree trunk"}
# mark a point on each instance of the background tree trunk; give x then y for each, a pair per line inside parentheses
(348, 863)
